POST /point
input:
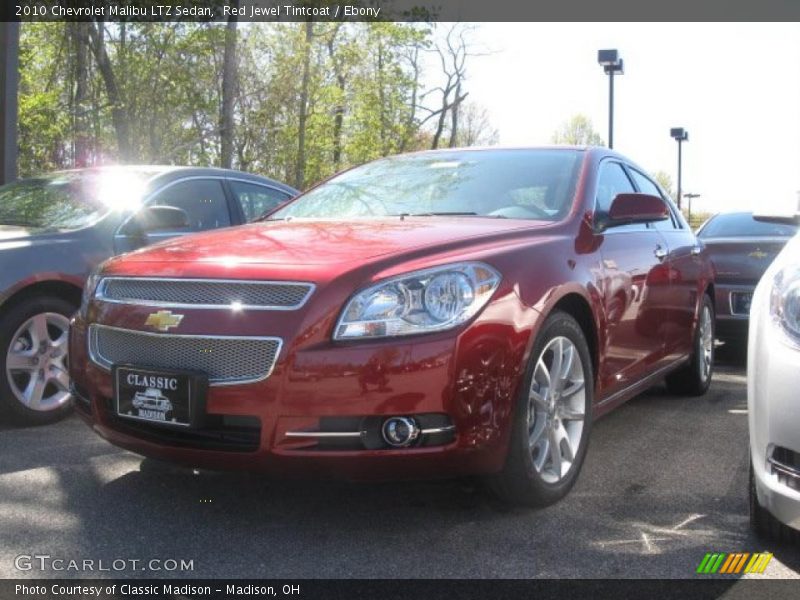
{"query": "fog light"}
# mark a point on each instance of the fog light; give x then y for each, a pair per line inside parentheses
(400, 431)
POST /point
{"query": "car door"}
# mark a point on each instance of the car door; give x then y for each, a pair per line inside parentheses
(202, 198)
(684, 262)
(255, 199)
(633, 284)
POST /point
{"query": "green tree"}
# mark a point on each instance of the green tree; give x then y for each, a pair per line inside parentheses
(578, 131)
(665, 181)
(295, 101)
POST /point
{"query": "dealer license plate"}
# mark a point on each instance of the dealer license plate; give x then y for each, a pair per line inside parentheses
(157, 396)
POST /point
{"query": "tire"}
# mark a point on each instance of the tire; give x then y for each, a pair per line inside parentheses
(25, 360)
(694, 378)
(763, 524)
(543, 413)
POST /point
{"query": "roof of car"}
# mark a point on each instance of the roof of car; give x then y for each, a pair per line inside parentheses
(595, 151)
(165, 173)
(494, 148)
(734, 213)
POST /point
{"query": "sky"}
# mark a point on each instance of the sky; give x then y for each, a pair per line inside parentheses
(735, 87)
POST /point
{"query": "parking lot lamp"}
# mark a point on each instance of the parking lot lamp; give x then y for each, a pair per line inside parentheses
(689, 198)
(680, 135)
(612, 64)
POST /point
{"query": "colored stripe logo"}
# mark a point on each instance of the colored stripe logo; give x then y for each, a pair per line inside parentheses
(733, 563)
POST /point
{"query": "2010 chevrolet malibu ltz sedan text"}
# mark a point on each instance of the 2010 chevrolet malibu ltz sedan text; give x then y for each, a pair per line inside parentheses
(434, 314)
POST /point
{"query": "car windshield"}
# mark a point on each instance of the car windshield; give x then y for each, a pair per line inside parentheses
(744, 225)
(515, 184)
(69, 200)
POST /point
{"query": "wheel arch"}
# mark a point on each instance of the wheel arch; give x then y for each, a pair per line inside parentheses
(58, 288)
(578, 307)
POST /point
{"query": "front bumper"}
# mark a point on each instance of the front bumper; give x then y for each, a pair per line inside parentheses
(732, 321)
(774, 414)
(465, 379)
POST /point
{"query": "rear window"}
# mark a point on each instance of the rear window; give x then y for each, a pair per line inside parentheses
(744, 225)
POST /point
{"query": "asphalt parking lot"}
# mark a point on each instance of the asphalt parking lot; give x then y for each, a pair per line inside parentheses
(665, 482)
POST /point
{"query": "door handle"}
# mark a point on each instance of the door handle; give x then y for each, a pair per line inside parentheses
(660, 253)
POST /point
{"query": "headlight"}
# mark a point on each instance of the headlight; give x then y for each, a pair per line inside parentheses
(785, 301)
(88, 291)
(420, 302)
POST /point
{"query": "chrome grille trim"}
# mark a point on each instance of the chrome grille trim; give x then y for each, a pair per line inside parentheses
(358, 434)
(218, 293)
(153, 345)
(785, 466)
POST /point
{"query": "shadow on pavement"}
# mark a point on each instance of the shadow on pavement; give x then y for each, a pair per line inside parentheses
(665, 481)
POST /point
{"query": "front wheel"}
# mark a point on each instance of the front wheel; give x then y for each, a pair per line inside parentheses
(34, 379)
(552, 418)
(694, 378)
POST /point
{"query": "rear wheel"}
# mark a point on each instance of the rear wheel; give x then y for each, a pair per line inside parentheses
(694, 378)
(552, 418)
(34, 378)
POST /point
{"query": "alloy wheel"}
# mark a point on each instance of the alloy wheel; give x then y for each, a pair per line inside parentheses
(706, 353)
(556, 409)
(36, 362)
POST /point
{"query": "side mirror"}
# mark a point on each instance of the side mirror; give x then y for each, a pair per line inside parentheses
(161, 218)
(636, 208)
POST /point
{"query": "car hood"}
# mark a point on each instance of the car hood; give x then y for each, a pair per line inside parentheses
(743, 260)
(12, 236)
(324, 242)
(12, 233)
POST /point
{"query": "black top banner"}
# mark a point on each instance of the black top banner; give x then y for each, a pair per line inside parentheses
(402, 10)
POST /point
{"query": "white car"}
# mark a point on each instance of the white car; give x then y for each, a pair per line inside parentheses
(773, 398)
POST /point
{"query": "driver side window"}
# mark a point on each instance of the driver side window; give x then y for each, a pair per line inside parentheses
(203, 200)
(611, 181)
(648, 187)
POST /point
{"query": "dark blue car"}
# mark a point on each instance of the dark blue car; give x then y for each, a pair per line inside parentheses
(54, 229)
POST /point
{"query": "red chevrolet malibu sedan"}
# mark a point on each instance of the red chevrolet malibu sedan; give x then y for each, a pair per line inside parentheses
(460, 312)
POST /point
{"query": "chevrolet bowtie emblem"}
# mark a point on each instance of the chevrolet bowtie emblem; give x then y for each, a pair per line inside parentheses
(163, 320)
(757, 253)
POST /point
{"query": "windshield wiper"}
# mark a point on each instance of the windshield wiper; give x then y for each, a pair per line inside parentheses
(450, 214)
(438, 214)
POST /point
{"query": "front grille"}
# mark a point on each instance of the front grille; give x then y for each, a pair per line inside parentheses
(226, 360)
(205, 293)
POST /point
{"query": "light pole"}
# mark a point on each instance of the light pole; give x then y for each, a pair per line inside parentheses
(9, 87)
(612, 64)
(689, 197)
(680, 135)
